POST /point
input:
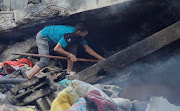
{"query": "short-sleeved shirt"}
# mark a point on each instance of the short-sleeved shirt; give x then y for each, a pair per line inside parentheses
(62, 34)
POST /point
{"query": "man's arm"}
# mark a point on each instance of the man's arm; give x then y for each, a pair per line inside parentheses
(92, 52)
(59, 49)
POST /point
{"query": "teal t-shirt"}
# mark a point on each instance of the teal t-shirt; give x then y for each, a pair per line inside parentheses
(56, 34)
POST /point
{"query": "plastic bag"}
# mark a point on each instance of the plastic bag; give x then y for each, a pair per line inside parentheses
(65, 99)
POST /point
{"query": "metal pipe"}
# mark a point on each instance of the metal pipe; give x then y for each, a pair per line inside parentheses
(12, 80)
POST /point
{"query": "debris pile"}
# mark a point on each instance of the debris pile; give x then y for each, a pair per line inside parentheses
(52, 89)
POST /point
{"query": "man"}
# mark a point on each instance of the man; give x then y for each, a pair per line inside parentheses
(66, 38)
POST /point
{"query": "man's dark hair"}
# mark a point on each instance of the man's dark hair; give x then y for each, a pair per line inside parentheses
(81, 27)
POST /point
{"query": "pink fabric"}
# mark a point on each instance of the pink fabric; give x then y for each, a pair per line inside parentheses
(1, 77)
(101, 103)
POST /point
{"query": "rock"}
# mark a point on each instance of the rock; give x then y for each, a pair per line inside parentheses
(7, 21)
(125, 104)
(161, 104)
(18, 47)
(111, 90)
(34, 1)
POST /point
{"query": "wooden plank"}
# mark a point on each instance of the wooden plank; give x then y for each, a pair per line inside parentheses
(54, 57)
(132, 53)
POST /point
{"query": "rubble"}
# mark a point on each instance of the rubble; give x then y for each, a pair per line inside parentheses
(8, 107)
(7, 21)
(161, 104)
(111, 90)
(41, 91)
(30, 94)
(29, 43)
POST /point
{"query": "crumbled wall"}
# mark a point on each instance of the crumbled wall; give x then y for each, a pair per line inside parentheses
(75, 6)
(10, 5)
(23, 46)
(7, 21)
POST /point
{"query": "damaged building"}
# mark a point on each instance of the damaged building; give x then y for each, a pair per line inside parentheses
(138, 38)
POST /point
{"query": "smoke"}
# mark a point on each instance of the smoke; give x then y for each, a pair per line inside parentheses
(159, 78)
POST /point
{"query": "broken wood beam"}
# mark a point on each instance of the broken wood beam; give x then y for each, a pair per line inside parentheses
(54, 57)
(132, 53)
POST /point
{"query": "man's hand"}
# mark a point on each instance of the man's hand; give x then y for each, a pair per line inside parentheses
(102, 59)
(72, 57)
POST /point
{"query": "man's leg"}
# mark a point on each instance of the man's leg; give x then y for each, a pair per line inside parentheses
(43, 49)
(70, 65)
(72, 48)
(33, 71)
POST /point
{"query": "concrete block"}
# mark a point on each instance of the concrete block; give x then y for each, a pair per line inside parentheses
(1, 5)
(34, 1)
(6, 5)
(7, 21)
(37, 94)
(10, 5)
(22, 13)
(23, 85)
(43, 104)
(33, 89)
(49, 98)
(18, 4)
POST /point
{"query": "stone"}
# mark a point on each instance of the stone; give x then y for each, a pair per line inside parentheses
(43, 104)
(27, 44)
(7, 21)
(125, 104)
(161, 104)
(111, 90)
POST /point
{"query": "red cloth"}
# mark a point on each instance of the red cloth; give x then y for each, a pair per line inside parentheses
(101, 103)
(7, 70)
(19, 63)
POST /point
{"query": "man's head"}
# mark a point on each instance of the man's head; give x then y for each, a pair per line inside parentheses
(81, 29)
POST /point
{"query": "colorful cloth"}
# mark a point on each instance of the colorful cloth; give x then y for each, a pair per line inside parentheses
(80, 105)
(102, 104)
(63, 82)
(7, 70)
(19, 63)
(1, 76)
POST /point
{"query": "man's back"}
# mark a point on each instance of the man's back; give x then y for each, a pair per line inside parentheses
(56, 32)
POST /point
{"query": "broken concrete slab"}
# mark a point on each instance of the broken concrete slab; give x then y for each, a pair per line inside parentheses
(125, 104)
(2, 97)
(9, 5)
(161, 104)
(18, 47)
(76, 6)
(7, 21)
(43, 104)
(23, 85)
(132, 53)
(31, 90)
(8, 107)
(38, 94)
(22, 13)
